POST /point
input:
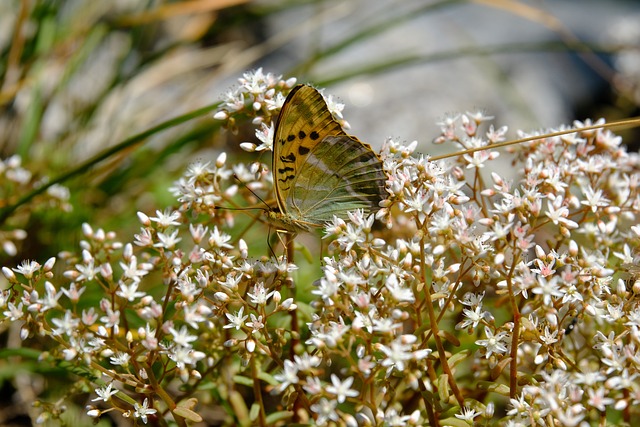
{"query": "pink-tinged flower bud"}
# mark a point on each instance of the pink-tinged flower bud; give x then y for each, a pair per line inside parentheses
(221, 297)
(100, 235)
(407, 262)
(128, 252)
(184, 375)
(489, 410)
(87, 230)
(244, 249)
(487, 221)
(71, 275)
(459, 200)
(378, 243)
(289, 83)
(573, 248)
(248, 147)
(289, 305)
(106, 271)
(9, 247)
(453, 268)
(143, 218)
(10, 275)
(458, 173)
(48, 266)
(277, 297)
(221, 160)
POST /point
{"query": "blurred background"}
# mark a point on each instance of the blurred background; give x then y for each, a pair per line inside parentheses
(80, 77)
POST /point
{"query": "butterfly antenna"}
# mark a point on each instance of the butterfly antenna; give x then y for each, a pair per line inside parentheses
(244, 184)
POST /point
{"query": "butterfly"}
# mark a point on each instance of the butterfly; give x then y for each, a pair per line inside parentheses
(318, 170)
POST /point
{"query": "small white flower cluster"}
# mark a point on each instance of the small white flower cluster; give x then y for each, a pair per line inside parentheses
(258, 96)
(470, 296)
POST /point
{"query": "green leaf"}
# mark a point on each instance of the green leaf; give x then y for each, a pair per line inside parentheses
(239, 379)
(443, 387)
(458, 357)
(187, 414)
(280, 416)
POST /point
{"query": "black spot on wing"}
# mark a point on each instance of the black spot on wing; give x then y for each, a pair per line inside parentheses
(291, 138)
(291, 158)
(302, 150)
(285, 170)
(314, 135)
(302, 134)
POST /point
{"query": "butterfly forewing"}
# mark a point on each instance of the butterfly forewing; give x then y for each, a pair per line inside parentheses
(319, 170)
(303, 121)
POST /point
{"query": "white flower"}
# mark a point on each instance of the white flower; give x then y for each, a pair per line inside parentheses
(326, 411)
(595, 199)
(182, 337)
(397, 355)
(67, 325)
(132, 271)
(235, 320)
(493, 343)
(288, 376)
(129, 292)
(120, 358)
(27, 268)
(167, 218)
(341, 389)
(168, 241)
(141, 411)
(105, 393)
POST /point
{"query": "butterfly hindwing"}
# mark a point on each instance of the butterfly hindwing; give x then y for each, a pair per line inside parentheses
(340, 174)
(318, 170)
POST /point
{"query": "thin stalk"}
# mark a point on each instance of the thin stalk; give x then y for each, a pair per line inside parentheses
(435, 330)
